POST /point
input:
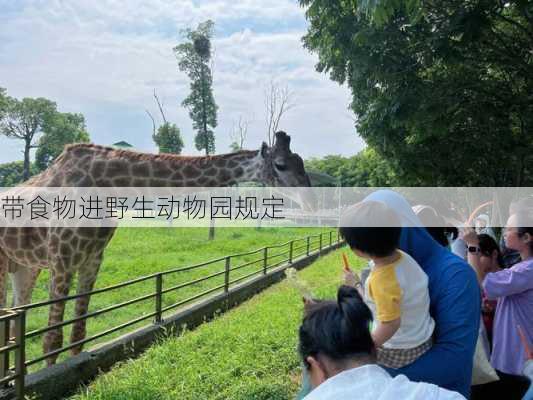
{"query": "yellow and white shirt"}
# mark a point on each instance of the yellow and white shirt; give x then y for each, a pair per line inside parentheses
(400, 290)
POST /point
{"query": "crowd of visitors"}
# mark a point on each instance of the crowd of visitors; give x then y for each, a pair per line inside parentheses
(444, 313)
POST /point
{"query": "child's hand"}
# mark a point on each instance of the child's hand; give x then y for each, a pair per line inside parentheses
(470, 237)
(351, 278)
(307, 301)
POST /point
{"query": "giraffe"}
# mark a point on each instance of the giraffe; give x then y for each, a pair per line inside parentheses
(66, 251)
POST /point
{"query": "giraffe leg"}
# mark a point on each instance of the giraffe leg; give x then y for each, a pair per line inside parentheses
(23, 280)
(60, 280)
(86, 279)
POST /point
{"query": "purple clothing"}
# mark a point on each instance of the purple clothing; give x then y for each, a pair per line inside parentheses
(513, 288)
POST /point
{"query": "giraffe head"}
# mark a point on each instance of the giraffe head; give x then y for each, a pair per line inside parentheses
(283, 167)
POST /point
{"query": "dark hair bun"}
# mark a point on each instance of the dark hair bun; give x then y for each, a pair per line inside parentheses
(346, 293)
(338, 329)
(352, 305)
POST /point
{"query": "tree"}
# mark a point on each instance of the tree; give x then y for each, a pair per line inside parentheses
(238, 134)
(11, 174)
(24, 119)
(168, 139)
(278, 101)
(365, 169)
(59, 130)
(193, 58)
(441, 89)
(167, 136)
(3, 102)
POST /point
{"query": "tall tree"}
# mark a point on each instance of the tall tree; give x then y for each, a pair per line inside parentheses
(440, 88)
(168, 139)
(59, 129)
(194, 57)
(24, 120)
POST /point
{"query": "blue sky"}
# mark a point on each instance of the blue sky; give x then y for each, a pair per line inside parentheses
(104, 59)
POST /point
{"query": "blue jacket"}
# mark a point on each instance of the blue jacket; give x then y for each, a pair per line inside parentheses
(455, 304)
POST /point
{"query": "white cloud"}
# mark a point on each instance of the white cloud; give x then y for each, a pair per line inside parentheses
(105, 58)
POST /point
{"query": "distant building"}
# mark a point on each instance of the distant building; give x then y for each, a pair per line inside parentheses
(122, 145)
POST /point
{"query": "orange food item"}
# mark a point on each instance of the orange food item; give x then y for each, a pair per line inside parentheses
(345, 262)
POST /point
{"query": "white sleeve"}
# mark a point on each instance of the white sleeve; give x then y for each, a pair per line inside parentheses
(459, 248)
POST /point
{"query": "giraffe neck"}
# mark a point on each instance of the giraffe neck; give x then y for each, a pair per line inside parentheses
(91, 165)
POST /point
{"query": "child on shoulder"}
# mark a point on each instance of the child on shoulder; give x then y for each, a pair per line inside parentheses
(396, 290)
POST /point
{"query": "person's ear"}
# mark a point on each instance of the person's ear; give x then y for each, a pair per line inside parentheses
(317, 374)
(360, 253)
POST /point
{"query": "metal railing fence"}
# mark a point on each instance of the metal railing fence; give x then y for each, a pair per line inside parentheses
(264, 260)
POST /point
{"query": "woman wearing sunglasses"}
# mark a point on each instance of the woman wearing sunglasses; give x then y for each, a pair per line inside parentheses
(513, 290)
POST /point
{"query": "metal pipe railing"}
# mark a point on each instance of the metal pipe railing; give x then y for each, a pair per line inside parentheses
(18, 314)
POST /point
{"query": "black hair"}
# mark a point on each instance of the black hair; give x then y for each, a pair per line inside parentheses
(487, 245)
(439, 234)
(452, 231)
(381, 238)
(435, 225)
(337, 329)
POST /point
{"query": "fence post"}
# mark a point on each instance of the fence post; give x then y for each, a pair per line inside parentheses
(330, 238)
(308, 245)
(4, 338)
(320, 244)
(20, 353)
(158, 298)
(291, 246)
(226, 274)
(211, 235)
(265, 260)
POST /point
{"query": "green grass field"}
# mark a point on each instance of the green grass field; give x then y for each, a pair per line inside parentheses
(248, 353)
(136, 252)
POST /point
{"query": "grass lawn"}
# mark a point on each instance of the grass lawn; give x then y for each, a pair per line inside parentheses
(248, 353)
(136, 252)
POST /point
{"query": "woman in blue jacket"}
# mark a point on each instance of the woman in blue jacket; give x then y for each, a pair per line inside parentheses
(454, 304)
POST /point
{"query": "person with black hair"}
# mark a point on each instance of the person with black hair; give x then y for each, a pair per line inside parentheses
(396, 289)
(435, 224)
(455, 303)
(340, 357)
(510, 256)
(484, 256)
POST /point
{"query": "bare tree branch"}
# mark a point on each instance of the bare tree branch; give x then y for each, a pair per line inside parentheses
(239, 132)
(160, 107)
(153, 121)
(278, 101)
